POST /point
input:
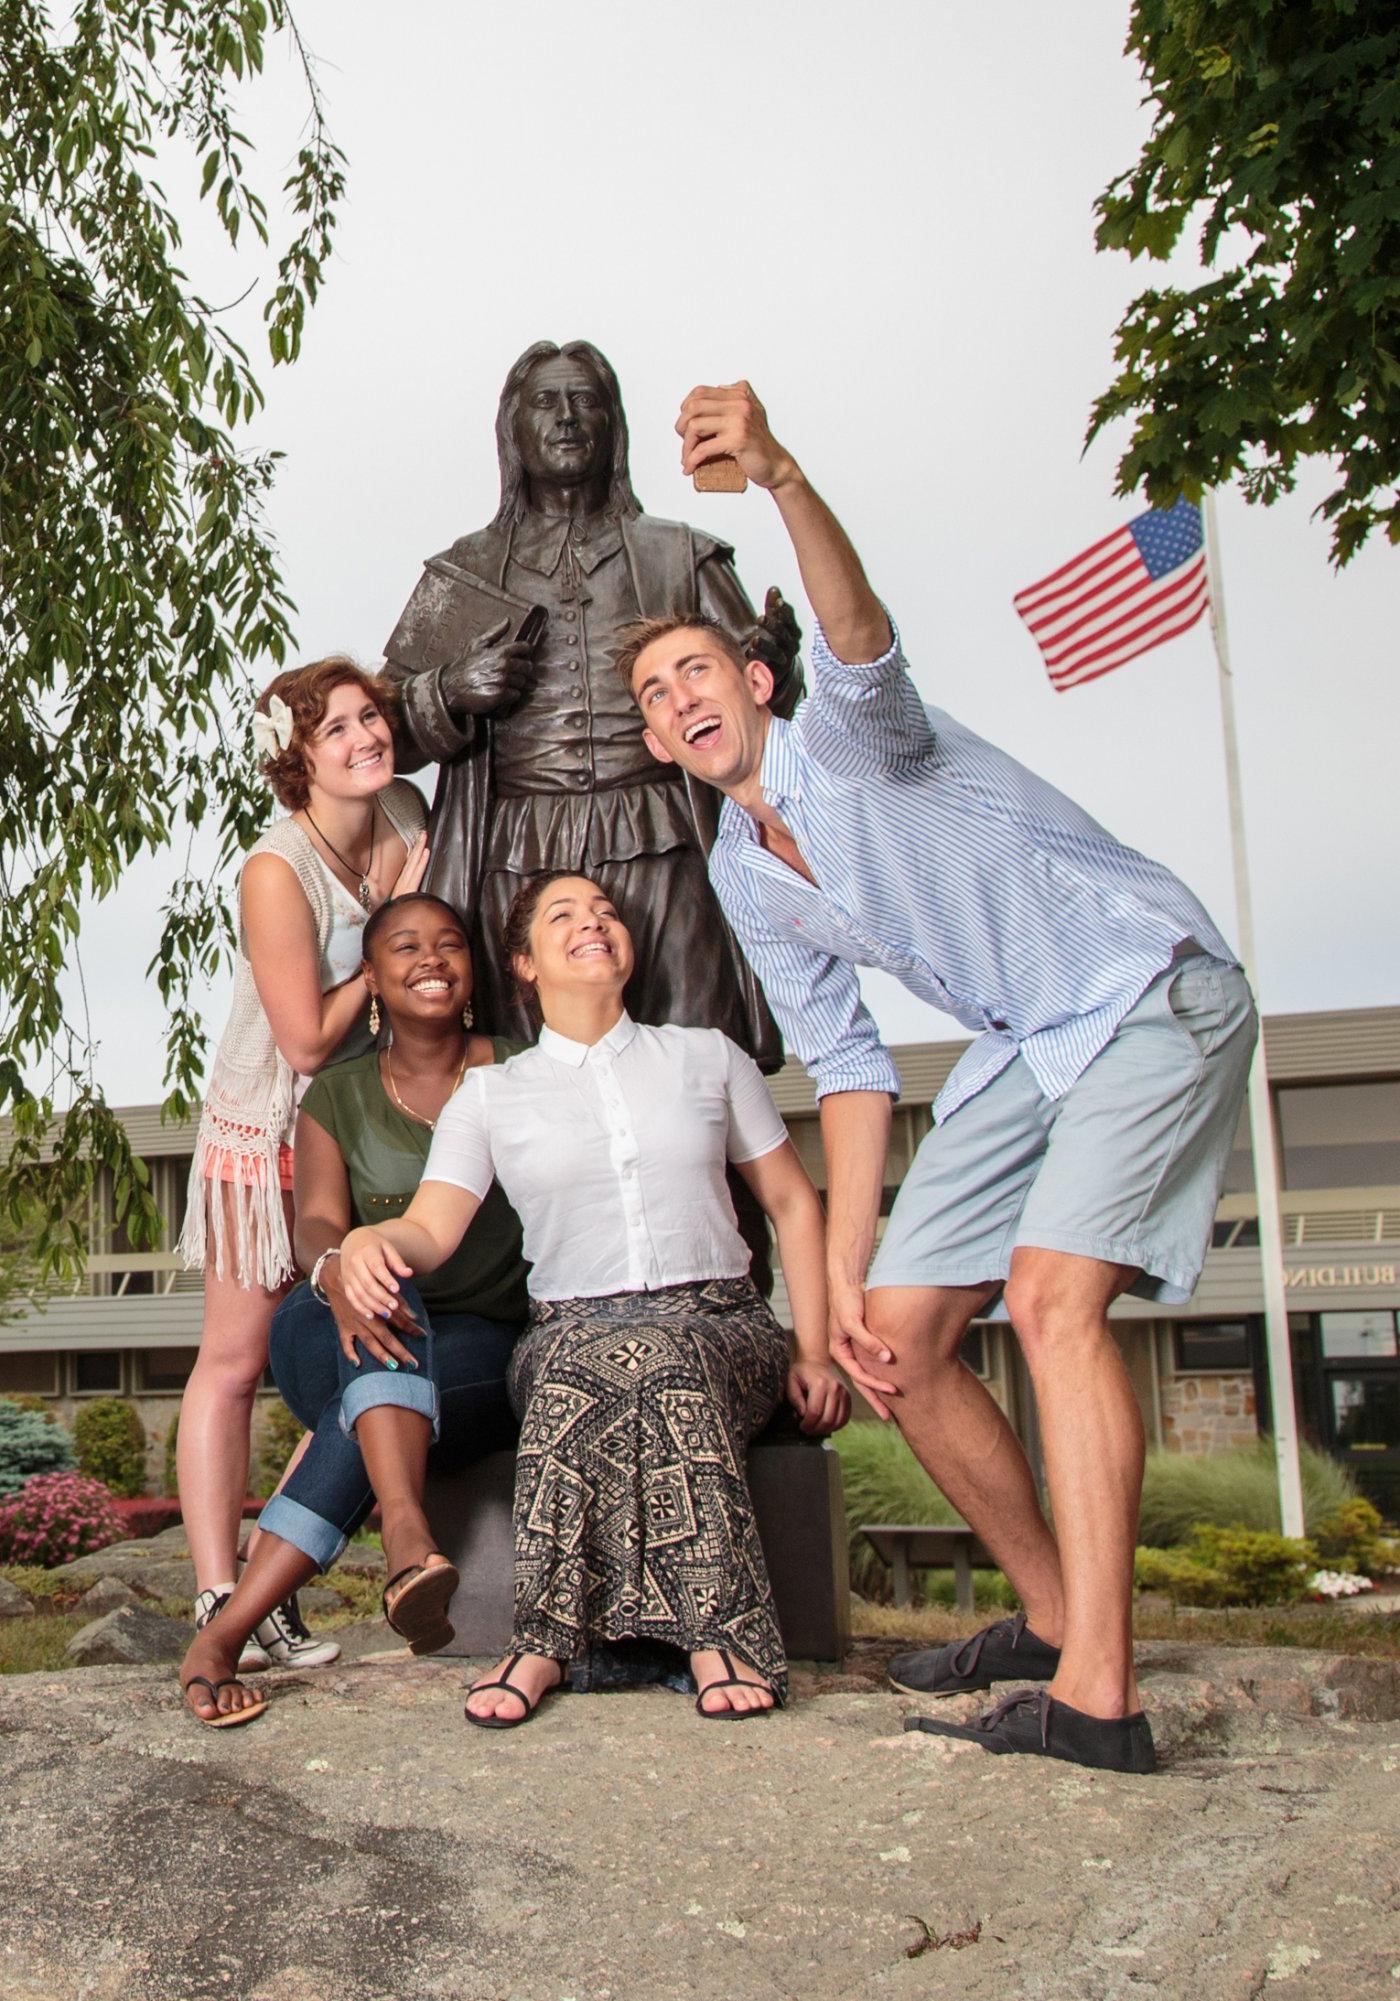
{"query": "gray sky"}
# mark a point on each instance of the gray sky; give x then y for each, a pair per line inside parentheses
(883, 217)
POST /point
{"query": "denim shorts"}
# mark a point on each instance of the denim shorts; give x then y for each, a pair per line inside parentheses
(1127, 1166)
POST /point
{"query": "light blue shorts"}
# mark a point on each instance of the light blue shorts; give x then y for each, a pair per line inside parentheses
(1126, 1166)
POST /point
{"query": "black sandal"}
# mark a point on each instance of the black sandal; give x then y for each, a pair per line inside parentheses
(503, 1680)
(734, 1681)
(227, 1717)
(419, 1613)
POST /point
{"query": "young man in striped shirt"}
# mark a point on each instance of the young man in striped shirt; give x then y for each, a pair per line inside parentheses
(1079, 1145)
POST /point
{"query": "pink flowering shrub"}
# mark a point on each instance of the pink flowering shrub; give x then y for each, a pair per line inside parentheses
(55, 1517)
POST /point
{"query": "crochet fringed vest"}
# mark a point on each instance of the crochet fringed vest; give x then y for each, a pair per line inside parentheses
(252, 1089)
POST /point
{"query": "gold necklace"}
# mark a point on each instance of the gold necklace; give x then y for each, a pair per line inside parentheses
(408, 1110)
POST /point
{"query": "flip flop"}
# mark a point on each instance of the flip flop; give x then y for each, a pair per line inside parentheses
(503, 1680)
(733, 1681)
(419, 1612)
(229, 1717)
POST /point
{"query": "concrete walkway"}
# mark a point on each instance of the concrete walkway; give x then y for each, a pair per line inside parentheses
(359, 1843)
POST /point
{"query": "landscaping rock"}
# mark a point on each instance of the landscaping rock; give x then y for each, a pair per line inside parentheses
(128, 1637)
(109, 1594)
(13, 1603)
(320, 1598)
(362, 1558)
(152, 1569)
(357, 1842)
(174, 1578)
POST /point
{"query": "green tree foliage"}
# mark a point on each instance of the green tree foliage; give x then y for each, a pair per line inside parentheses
(111, 1445)
(139, 578)
(1277, 126)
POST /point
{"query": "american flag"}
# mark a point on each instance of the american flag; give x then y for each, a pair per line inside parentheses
(1137, 587)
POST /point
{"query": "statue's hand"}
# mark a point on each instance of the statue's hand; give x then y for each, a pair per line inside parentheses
(494, 673)
(777, 636)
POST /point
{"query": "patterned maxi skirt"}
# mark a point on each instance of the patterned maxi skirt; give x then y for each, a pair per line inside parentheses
(633, 1518)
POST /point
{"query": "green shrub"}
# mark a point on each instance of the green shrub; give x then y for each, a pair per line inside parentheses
(1229, 1566)
(1353, 1538)
(55, 1517)
(1176, 1576)
(1238, 1487)
(31, 1400)
(883, 1482)
(30, 1444)
(171, 1481)
(1260, 1568)
(276, 1443)
(111, 1443)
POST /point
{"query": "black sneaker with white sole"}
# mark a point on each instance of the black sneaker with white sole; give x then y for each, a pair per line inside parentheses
(1005, 1651)
(1032, 1722)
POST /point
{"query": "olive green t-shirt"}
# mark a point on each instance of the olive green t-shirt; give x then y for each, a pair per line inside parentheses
(385, 1154)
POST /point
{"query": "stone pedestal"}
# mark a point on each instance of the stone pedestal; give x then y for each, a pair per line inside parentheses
(796, 1487)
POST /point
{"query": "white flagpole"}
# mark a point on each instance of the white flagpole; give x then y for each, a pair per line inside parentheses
(1261, 1121)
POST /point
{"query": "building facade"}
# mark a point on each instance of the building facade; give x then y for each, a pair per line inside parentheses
(131, 1326)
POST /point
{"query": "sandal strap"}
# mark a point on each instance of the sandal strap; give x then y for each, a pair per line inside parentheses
(503, 1680)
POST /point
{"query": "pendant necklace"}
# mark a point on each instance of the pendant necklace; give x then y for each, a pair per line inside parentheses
(408, 1110)
(349, 867)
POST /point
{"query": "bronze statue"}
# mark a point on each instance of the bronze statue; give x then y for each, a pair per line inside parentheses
(503, 656)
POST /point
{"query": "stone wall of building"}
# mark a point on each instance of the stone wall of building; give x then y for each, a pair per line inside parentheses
(1208, 1413)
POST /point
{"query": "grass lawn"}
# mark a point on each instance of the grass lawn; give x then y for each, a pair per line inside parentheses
(1318, 1626)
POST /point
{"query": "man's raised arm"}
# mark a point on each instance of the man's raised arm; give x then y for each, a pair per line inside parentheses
(728, 421)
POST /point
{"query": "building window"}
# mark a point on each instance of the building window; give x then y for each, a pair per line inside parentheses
(29, 1375)
(162, 1370)
(1241, 1235)
(96, 1371)
(1357, 1337)
(1204, 1345)
(974, 1349)
(1340, 1135)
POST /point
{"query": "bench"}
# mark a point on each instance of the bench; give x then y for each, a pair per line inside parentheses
(906, 1548)
(796, 1488)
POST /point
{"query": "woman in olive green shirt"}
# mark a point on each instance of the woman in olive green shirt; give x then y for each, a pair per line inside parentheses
(379, 1397)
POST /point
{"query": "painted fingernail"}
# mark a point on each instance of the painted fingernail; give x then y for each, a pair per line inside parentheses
(389, 1362)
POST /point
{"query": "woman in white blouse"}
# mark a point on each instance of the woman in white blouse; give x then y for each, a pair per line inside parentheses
(649, 1360)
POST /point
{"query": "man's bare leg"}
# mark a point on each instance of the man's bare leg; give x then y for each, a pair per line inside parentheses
(961, 1437)
(1092, 1435)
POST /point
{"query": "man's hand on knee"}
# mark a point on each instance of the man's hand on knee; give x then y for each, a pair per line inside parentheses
(855, 1348)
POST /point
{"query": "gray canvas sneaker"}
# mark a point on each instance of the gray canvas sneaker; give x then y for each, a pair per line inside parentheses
(1005, 1651)
(1032, 1723)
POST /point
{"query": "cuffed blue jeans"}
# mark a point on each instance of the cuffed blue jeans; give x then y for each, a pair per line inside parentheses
(459, 1386)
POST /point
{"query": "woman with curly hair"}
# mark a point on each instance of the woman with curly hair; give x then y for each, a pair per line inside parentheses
(354, 836)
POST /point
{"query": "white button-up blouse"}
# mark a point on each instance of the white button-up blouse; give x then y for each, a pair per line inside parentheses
(613, 1154)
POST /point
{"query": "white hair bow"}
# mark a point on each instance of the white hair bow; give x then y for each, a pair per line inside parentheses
(272, 732)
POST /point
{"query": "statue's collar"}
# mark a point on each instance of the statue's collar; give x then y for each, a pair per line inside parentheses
(537, 541)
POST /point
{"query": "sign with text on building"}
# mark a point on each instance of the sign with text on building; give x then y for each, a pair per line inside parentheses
(1328, 1278)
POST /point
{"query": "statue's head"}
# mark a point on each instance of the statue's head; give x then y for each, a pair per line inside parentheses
(560, 422)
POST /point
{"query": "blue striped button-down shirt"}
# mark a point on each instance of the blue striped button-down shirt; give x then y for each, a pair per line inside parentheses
(945, 862)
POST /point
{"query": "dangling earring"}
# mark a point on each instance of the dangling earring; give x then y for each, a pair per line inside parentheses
(467, 1016)
(374, 1014)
